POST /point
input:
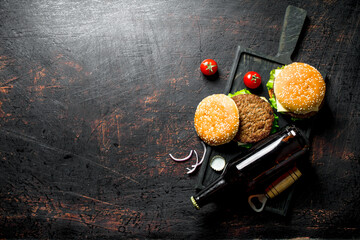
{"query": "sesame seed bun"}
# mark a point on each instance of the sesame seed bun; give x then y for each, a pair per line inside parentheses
(300, 89)
(216, 119)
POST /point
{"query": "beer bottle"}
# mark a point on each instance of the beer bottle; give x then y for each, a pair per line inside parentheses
(265, 160)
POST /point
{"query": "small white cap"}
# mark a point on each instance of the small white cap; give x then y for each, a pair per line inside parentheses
(217, 163)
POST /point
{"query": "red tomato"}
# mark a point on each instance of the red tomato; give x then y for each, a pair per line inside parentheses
(252, 79)
(208, 67)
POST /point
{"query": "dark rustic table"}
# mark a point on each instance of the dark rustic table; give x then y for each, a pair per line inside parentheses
(94, 95)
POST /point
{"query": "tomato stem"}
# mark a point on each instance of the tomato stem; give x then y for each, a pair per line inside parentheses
(254, 78)
(210, 67)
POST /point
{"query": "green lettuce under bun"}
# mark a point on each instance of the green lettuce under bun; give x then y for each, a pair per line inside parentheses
(296, 119)
(242, 91)
(270, 83)
(275, 125)
(270, 86)
(245, 145)
(273, 102)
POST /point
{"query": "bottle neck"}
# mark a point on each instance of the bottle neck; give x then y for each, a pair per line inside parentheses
(209, 193)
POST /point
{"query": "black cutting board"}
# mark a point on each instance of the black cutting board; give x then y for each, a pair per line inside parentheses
(248, 60)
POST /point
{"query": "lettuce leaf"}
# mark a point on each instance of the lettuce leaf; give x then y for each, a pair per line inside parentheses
(243, 91)
(296, 119)
(273, 102)
(270, 83)
(270, 86)
(275, 125)
(245, 145)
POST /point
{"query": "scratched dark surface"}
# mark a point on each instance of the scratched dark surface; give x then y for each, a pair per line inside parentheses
(95, 95)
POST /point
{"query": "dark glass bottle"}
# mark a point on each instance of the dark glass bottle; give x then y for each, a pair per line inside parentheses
(264, 161)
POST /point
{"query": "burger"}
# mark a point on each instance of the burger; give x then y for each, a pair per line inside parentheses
(297, 89)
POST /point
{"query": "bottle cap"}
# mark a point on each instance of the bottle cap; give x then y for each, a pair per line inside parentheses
(217, 163)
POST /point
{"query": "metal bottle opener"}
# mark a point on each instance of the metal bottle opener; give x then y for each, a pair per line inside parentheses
(277, 187)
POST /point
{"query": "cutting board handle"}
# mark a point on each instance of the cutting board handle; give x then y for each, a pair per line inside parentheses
(293, 23)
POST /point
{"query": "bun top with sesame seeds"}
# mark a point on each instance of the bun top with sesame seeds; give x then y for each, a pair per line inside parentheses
(299, 88)
(216, 119)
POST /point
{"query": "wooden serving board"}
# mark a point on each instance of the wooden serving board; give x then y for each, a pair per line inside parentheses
(248, 60)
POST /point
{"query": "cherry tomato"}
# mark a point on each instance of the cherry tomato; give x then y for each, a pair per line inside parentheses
(208, 67)
(252, 79)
